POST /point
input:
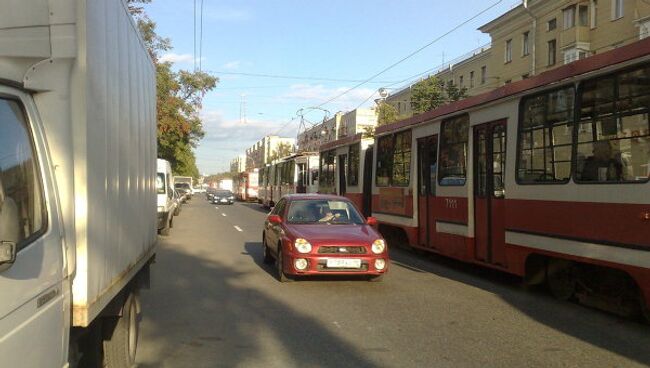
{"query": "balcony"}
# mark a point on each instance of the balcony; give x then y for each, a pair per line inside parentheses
(577, 35)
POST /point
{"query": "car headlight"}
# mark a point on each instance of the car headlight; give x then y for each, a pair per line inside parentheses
(161, 208)
(231, 197)
(378, 246)
(302, 245)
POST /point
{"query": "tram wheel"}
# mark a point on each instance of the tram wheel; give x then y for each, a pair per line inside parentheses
(560, 279)
(645, 309)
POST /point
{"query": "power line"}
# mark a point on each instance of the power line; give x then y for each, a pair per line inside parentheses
(411, 54)
(194, 54)
(277, 76)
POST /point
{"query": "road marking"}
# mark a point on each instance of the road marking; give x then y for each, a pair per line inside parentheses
(223, 214)
(238, 228)
(216, 207)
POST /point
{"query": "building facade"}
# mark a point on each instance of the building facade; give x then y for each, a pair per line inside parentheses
(539, 35)
(339, 126)
(238, 164)
(264, 151)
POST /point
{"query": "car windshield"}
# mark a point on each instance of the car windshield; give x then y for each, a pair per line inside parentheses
(182, 186)
(223, 193)
(160, 183)
(323, 211)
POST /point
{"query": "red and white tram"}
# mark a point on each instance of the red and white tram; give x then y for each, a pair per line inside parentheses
(546, 178)
(342, 165)
(247, 185)
(297, 173)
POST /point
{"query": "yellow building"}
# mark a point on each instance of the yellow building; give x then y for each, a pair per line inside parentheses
(539, 35)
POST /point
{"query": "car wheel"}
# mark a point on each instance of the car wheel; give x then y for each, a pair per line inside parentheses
(268, 258)
(167, 229)
(282, 277)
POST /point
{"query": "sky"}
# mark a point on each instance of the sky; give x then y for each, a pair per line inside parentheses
(299, 54)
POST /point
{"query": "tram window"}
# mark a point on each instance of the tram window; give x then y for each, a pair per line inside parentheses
(614, 130)
(545, 137)
(402, 159)
(453, 151)
(384, 160)
(353, 165)
(327, 169)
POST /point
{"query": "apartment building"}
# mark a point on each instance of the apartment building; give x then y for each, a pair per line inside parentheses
(261, 153)
(238, 164)
(539, 35)
(357, 121)
(310, 139)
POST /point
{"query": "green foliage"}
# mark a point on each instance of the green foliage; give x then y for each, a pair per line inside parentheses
(386, 113)
(282, 150)
(432, 92)
(179, 96)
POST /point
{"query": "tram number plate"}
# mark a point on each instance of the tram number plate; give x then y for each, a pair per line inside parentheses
(343, 263)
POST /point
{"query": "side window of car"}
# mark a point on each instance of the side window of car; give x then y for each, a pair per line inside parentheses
(22, 209)
(279, 208)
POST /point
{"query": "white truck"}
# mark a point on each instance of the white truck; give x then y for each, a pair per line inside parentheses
(77, 182)
(186, 184)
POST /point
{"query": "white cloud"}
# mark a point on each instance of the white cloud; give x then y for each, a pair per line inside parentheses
(318, 93)
(232, 65)
(179, 58)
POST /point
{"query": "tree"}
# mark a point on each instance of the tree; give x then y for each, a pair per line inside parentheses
(282, 150)
(432, 92)
(386, 113)
(179, 97)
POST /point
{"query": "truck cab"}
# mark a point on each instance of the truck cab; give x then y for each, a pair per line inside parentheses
(165, 196)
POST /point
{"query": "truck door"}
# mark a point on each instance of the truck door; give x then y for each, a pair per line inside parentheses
(34, 301)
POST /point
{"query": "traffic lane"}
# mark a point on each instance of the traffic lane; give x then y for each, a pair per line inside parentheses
(481, 308)
(425, 313)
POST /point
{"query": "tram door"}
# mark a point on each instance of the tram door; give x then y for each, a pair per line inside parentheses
(367, 182)
(342, 171)
(427, 169)
(489, 191)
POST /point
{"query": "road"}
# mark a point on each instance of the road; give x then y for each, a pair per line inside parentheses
(213, 303)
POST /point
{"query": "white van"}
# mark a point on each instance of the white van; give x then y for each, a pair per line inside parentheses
(165, 190)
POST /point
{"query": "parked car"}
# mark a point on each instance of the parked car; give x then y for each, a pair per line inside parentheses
(223, 197)
(185, 189)
(165, 197)
(178, 202)
(311, 234)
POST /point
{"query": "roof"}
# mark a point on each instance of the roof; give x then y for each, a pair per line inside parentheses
(341, 142)
(619, 55)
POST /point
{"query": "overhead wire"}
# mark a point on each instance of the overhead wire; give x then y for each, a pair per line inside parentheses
(194, 54)
(201, 38)
(410, 55)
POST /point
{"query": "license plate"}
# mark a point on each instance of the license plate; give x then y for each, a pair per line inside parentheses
(224, 200)
(343, 263)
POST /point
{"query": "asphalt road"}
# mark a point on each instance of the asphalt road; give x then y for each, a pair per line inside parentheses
(213, 303)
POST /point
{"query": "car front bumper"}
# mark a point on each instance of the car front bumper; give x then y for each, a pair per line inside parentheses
(317, 264)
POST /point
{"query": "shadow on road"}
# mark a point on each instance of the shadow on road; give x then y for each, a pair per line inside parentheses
(223, 337)
(254, 206)
(625, 337)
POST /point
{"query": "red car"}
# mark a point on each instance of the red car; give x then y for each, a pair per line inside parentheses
(311, 234)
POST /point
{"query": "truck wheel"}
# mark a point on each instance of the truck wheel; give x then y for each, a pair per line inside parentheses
(121, 343)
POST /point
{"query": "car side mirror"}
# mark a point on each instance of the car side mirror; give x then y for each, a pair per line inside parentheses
(372, 221)
(7, 254)
(275, 219)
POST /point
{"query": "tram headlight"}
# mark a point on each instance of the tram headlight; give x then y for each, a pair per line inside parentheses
(378, 246)
(302, 245)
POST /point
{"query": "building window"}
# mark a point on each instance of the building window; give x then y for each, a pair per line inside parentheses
(551, 25)
(569, 15)
(384, 160)
(453, 151)
(551, 52)
(617, 9)
(613, 128)
(461, 83)
(573, 54)
(353, 166)
(594, 13)
(644, 29)
(508, 52)
(471, 79)
(525, 49)
(583, 15)
(327, 171)
(483, 74)
(545, 137)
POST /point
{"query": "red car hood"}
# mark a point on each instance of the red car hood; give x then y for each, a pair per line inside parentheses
(323, 234)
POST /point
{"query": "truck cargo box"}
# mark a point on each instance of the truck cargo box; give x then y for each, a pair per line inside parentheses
(93, 83)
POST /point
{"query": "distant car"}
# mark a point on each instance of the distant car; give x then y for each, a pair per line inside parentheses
(223, 197)
(178, 201)
(209, 193)
(185, 189)
(310, 234)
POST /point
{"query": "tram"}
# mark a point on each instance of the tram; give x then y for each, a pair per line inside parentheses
(297, 173)
(247, 186)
